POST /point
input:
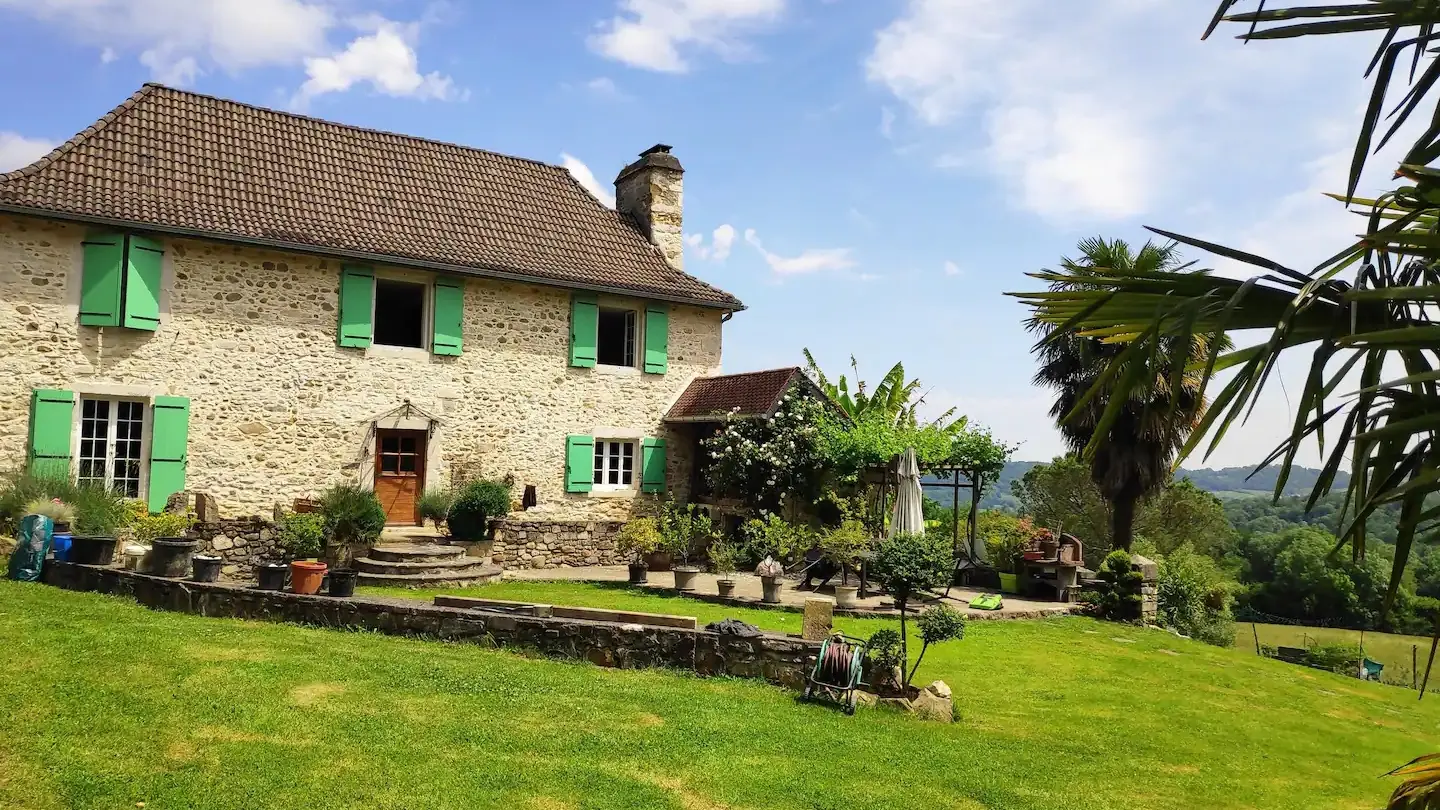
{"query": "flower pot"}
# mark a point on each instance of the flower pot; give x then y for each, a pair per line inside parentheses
(342, 582)
(772, 590)
(685, 577)
(727, 588)
(638, 570)
(306, 576)
(845, 596)
(135, 557)
(92, 550)
(207, 567)
(659, 560)
(170, 556)
(60, 543)
(272, 576)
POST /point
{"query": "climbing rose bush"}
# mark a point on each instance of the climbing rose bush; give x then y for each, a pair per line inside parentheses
(770, 463)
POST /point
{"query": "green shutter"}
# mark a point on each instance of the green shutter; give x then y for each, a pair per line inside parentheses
(357, 297)
(52, 414)
(169, 435)
(101, 278)
(657, 339)
(579, 463)
(652, 465)
(143, 258)
(584, 329)
(449, 312)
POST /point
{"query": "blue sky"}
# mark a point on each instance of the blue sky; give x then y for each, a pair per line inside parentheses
(869, 176)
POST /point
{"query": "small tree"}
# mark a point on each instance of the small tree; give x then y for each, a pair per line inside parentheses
(638, 538)
(685, 530)
(1118, 597)
(939, 623)
(724, 556)
(910, 563)
(773, 537)
(846, 546)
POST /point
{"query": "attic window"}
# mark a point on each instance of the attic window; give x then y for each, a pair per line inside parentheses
(399, 313)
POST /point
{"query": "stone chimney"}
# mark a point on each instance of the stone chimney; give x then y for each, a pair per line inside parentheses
(649, 192)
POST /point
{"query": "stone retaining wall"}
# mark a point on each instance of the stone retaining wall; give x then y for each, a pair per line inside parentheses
(555, 544)
(782, 660)
(242, 543)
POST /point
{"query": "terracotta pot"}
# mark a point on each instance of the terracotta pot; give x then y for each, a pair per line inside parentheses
(685, 577)
(306, 576)
(845, 596)
(726, 587)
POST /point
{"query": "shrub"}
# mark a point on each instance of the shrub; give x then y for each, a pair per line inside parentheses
(302, 534)
(845, 546)
(910, 563)
(22, 488)
(98, 510)
(685, 529)
(147, 527)
(474, 506)
(637, 538)
(1117, 597)
(883, 655)
(1342, 658)
(724, 556)
(773, 537)
(351, 515)
(938, 624)
(1193, 598)
(435, 504)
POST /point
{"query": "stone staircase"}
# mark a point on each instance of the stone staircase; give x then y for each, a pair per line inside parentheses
(423, 564)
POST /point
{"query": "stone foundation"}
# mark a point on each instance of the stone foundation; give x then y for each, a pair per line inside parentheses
(555, 544)
(779, 659)
(243, 543)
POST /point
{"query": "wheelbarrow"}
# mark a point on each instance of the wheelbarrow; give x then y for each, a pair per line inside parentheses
(837, 671)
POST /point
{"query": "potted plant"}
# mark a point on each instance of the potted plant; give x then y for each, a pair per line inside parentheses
(724, 556)
(301, 537)
(637, 539)
(353, 519)
(769, 570)
(846, 546)
(468, 521)
(684, 530)
(99, 512)
(434, 506)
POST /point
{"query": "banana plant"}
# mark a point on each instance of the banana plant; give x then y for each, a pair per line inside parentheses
(894, 400)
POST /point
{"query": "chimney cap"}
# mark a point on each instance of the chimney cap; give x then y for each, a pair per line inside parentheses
(656, 157)
(662, 148)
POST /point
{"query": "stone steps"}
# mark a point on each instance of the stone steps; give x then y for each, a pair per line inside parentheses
(415, 553)
(423, 565)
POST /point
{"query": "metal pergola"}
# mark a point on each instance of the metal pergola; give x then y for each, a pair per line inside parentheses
(952, 476)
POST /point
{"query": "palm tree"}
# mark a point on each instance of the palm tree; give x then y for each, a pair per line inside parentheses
(1135, 446)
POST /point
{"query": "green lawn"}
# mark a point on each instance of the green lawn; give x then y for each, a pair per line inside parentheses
(1392, 650)
(106, 704)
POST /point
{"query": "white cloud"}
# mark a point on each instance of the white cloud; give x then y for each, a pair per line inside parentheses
(602, 86)
(810, 260)
(722, 239)
(384, 59)
(951, 268)
(586, 178)
(181, 40)
(18, 151)
(652, 34)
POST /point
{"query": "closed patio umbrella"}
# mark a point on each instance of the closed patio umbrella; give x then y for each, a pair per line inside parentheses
(908, 516)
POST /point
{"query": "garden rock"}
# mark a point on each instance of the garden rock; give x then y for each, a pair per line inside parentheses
(929, 705)
(939, 689)
(734, 627)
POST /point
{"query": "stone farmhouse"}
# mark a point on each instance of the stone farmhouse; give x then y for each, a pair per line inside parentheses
(198, 294)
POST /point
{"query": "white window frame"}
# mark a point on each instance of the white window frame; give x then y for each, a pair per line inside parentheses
(146, 416)
(602, 460)
(427, 315)
(637, 350)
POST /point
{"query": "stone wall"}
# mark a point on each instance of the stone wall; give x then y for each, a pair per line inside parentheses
(552, 544)
(779, 659)
(279, 411)
(243, 543)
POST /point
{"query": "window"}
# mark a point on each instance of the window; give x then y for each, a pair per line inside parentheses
(399, 454)
(614, 464)
(400, 313)
(110, 444)
(615, 339)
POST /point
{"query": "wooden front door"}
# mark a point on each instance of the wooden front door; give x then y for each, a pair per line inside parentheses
(400, 473)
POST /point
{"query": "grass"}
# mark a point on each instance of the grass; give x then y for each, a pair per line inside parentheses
(1392, 650)
(107, 704)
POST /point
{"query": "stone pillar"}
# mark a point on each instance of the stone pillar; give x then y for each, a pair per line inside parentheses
(819, 619)
(649, 191)
(1149, 587)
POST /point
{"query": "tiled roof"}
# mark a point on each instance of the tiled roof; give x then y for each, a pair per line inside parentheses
(755, 393)
(184, 163)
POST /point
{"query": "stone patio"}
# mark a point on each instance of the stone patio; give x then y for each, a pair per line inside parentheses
(748, 591)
